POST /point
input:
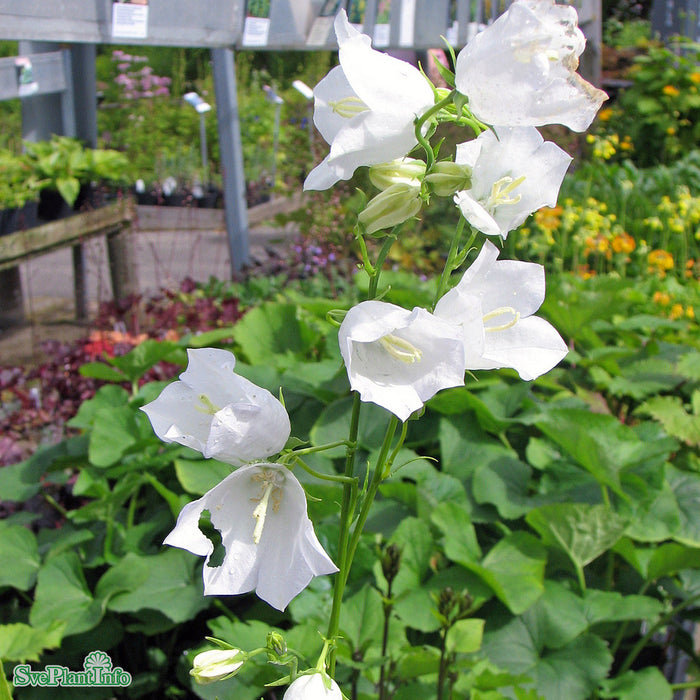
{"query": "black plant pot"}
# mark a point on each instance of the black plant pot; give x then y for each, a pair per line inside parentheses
(52, 206)
(90, 197)
(18, 218)
(210, 199)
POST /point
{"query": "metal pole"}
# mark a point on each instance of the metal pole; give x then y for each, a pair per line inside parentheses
(275, 145)
(203, 146)
(236, 212)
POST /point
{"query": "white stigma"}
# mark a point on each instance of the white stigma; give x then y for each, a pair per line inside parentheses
(270, 487)
(348, 107)
(207, 405)
(501, 190)
(502, 311)
(400, 349)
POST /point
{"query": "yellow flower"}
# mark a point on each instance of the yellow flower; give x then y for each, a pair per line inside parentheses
(605, 114)
(660, 261)
(694, 77)
(676, 311)
(671, 91)
(689, 312)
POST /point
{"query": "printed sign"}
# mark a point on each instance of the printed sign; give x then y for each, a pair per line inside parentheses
(130, 19)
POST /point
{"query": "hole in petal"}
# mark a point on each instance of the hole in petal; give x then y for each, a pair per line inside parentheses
(214, 536)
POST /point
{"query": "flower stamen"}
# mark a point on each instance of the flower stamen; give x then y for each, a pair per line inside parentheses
(501, 190)
(270, 487)
(400, 349)
(501, 311)
(348, 107)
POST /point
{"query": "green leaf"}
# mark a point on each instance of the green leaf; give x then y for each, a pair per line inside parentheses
(102, 371)
(686, 488)
(581, 530)
(637, 685)
(676, 420)
(69, 187)
(573, 671)
(464, 637)
(109, 397)
(19, 556)
(611, 606)
(362, 619)
(414, 539)
(599, 443)
(201, 475)
(272, 332)
(168, 582)
(459, 536)
(114, 433)
(665, 559)
(146, 355)
(22, 643)
(62, 595)
(514, 570)
(416, 662)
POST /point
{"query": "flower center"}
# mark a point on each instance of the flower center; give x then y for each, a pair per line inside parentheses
(207, 405)
(501, 191)
(400, 349)
(502, 311)
(348, 107)
(270, 486)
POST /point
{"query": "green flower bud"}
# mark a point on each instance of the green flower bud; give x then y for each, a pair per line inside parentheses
(217, 665)
(447, 177)
(276, 646)
(391, 559)
(393, 206)
(408, 171)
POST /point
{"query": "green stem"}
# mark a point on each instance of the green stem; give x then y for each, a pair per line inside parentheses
(652, 631)
(429, 155)
(443, 665)
(319, 448)
(342, 479)
(449, 263)
(686, 685)
(581, 579)
(367, 501)
(623, 627)
(388, 605)
(346, 512)
(374, 278)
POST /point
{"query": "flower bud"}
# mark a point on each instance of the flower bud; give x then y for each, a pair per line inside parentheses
(393, 206)
(276, 646)
(391, 559)
(217, 665)
(447, 177)
(408, 171)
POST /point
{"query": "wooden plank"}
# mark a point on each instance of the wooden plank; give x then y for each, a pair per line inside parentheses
(159, 218)
(56, 234)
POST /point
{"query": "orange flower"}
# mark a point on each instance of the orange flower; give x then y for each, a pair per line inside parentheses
(660, 259)
(661, 298)
(671, 91)
(623, 243)
(676, 311)
(549, 217)
(605, 114)
(695, 77)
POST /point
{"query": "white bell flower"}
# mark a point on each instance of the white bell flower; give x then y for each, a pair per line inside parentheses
(521, 70)
(216, 665)
(365, 108)
(270, 543)
(503, 295)
(514, 173)
(397, 358)
(313, 687)
(219, 413)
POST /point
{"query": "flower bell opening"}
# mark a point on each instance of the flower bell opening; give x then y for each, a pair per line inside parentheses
(268, 480)
(400, 349)
(501, 311)
(348, 107)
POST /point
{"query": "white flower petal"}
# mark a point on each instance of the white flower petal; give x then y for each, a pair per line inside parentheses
(399, 359)
(219, 413)
(313, 687)
(365, 108)
(531, 347)
(514, 173)
(505, 293)
(287, 555)
(520, 71)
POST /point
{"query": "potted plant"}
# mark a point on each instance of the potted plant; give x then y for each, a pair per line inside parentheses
(17, 193)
